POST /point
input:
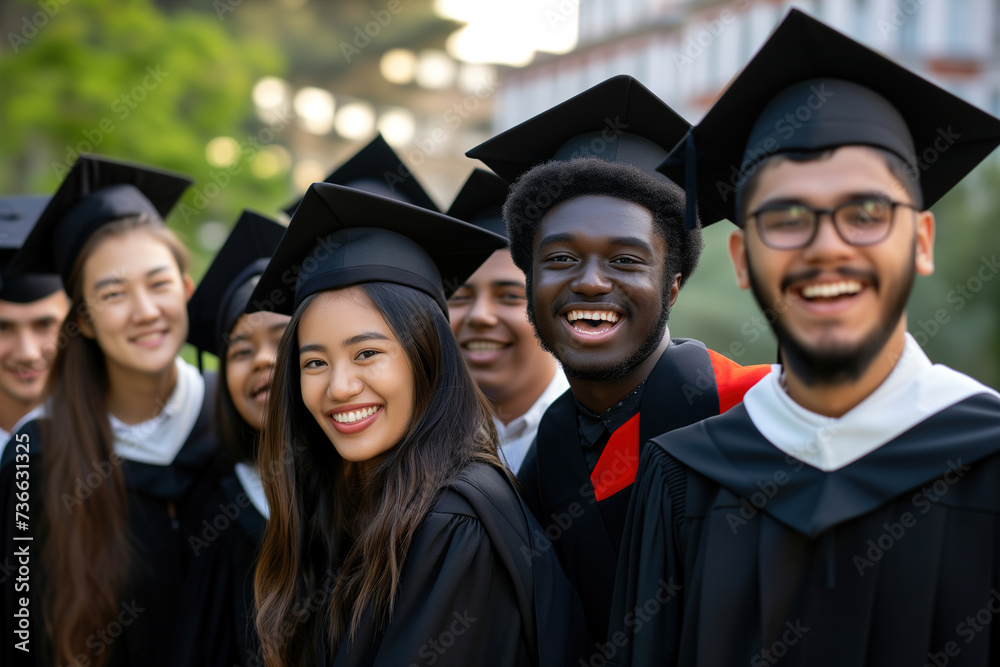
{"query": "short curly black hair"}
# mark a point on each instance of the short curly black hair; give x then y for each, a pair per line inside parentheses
(543, 187)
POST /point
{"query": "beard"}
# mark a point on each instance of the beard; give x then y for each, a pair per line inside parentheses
(620, 369)
(835, 365)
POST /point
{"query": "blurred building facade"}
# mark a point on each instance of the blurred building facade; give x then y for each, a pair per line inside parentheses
(686, 51)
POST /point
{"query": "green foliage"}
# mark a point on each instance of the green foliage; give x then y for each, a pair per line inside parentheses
(124, 79)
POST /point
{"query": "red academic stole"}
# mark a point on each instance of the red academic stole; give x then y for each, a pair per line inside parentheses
(619, 462)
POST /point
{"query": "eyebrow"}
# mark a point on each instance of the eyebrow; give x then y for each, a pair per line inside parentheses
(238, 338)
(847, 197)
(246, 335)
(353, 340)
(118, 280)
(508, 283)
(619, 241)
(553, 239)
(632, 242)
(362, 337)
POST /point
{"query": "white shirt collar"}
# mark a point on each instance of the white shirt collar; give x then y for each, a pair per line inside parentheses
(249, 476)
(530, 419)
(36, 412)
(516, 437)
(913, 391)
(158, 440)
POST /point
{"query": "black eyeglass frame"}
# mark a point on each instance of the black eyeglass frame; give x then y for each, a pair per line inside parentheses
(817, 213)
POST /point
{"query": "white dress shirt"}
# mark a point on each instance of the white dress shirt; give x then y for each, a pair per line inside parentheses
(517, 436)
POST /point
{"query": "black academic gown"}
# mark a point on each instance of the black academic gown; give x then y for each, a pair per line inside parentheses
(219, 604)
(166, 505)
(475, 590)
(742, 555)
(689, 383)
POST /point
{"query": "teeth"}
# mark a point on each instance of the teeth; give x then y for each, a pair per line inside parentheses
(355, 415)
(482, 346)
(830, 290)
(605, 315)
(149, 336)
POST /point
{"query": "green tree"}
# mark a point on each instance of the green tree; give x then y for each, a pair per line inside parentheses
(123, 78)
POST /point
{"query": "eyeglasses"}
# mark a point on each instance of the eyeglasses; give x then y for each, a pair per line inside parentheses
(860, 222)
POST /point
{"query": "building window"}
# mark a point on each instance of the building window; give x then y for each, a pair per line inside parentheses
(959, 22)
(909, 33)
(859, 11)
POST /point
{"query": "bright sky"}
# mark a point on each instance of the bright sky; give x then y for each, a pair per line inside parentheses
(510, 31)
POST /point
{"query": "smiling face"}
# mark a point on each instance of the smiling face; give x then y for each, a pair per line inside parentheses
(355, 376)
(835, 305)
(136, 299)
(253, 347)
(599, 298)
(489, 318)
(28, 333)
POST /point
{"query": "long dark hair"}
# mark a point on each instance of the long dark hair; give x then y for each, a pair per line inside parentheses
(334, 529)
(87, 548)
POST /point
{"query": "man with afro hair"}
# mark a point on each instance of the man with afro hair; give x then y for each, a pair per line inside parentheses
(601, 239)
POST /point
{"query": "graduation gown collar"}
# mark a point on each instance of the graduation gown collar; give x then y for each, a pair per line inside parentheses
(731, 452)
(670, 399)
(249, 478)
(198, 452)
(913, 391)
(158, 440)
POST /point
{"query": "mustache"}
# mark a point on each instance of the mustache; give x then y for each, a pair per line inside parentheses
(843, 271)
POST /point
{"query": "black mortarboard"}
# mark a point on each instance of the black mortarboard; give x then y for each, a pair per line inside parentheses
(813, 88)
(618, 120)
(377, 169)
(480, 200)
(95, 191)
(340, 236)
(225, 290)
(17, 216)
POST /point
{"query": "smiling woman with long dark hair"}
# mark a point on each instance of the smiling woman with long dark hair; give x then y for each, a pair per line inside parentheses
(396, 535)
(218, 617)
(128, 466)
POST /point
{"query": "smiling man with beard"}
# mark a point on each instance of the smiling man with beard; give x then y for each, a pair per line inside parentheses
(601, 239)
(846, 513)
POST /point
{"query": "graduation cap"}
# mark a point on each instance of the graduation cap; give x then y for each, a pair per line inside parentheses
(225, 290)
(812, 88)
(96, 190)
(618, 120)
(17, 216)
(340, 236)
(480, 201)
(367, 170)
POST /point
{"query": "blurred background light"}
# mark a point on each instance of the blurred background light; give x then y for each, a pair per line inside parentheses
(397, 126)
(355, 120)
(510, 32)
(435, 69)
(271, 162)
(314, 107)
(398, 66)
(222, 151)
(307, 172)
(271, 98)
(474, 78)
(211, 235)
